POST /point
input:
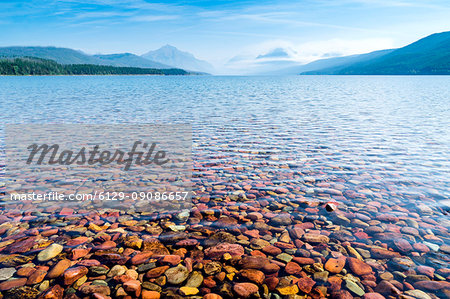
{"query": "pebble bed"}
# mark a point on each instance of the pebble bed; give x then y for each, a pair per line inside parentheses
(250, 234)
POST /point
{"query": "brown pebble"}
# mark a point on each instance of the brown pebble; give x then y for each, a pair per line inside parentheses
(335, 265)
(25, 271)
(13, 283)
(36, 277)
(59, 268)
(305, 284)
(384, 253)
(55, 292)
(253, 275)
(245, 289)
(146, 294)
(73, 274)
(303, 260)
(359, 267)
(293, 268)
(156, 272)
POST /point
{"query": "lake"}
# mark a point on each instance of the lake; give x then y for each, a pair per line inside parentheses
(312, 166)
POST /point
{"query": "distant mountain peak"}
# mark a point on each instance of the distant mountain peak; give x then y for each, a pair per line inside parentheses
(170, 55)
(275, 53)
(167, 46)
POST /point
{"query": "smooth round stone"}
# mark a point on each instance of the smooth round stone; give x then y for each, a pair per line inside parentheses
(432, 246)
(364, 253)
(177, 274)
(177, 228)
(245, 289)
(290, 251)
(183, 216)
(417, 294)
(284, 257)
(100, 283)
(98, 270)
(288, 290)
(117, 270)
(188, 291)
(386, 276)
(258, 244)
(354, 288)
(151, 286)
(439, 277)
(6, 273)
(49, 252)
(195, 280)
(44, 285)
(445, 248)
(146, 267)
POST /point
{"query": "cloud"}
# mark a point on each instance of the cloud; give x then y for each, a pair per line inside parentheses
(341, 47)
(431, 4)
(261, 56)
(153, 18)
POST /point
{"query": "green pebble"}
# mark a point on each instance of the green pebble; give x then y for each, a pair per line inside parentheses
(98, 270)
(99, 283)
(146, 267)
(284, 257)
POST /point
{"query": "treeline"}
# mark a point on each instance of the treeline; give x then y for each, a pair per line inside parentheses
(25, 66)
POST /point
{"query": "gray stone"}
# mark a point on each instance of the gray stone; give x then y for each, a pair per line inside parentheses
(151, 286)
(195, 280)
(6, 273)
(49, 252)
(417, 294)
(354, 288)
(117, 270)
(146, 267)
(177, 274)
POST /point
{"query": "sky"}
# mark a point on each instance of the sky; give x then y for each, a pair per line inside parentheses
(220, 31)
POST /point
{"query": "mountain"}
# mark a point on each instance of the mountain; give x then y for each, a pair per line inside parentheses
(60, 55)
(275, 53)
(427, 56)
(70, 56)
(335, 63)
(170, 55)
(128, 59)
(267, 63)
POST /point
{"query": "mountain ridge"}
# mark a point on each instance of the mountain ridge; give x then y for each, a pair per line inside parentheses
(172, 56)
(71, 56)
(331, 63)
(131, 60)
(427, 56)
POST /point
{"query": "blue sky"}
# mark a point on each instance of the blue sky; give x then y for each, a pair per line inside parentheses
(219, 30)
